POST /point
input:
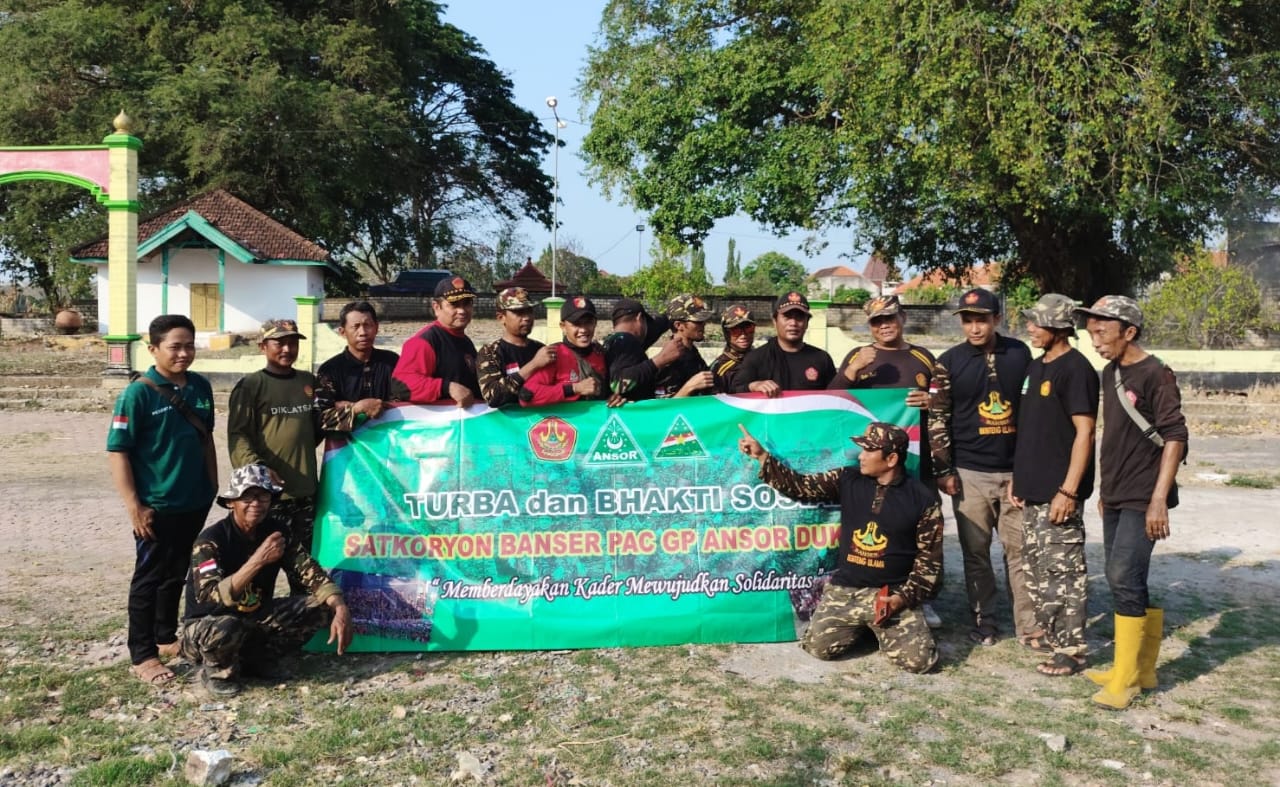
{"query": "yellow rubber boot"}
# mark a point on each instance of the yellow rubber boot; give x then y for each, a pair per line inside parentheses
(1123, 686)
(1152, 636)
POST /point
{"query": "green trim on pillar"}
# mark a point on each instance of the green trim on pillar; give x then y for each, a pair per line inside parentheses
(307, 300)
(164, 281)
(222, 291)
(819, 303)
(130, 205)
(122, 141)
(128, 337)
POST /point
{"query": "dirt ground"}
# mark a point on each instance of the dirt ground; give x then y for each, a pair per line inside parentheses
(65, 543)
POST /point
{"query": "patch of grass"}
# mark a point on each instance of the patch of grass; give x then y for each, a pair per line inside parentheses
(1248, 481)
(123, 771)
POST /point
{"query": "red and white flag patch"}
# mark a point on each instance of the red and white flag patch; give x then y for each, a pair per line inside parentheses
(207, 566)
(120, 422)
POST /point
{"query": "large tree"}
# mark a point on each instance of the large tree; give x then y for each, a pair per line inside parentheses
(1082, 141)
(374, 127)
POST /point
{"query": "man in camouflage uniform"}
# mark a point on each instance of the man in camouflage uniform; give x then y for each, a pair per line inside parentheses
(1053, 476)
(739, 337)
(233, 623)
(687, 375)
(890, 546)
(972, 436)
(504, 364)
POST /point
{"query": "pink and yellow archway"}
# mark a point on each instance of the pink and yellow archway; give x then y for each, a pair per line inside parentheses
(110, 172)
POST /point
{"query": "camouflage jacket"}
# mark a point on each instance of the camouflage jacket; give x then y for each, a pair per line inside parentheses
(499, 383)
(222, 549)
(863, 500)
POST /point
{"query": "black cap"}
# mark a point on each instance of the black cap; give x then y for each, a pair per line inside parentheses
(791, 302)
(454, 289)
(978, 301)
(576, 308)
(625, 308)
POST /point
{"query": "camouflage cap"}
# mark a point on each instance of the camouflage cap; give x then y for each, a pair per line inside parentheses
(883, 306)
(576, 308)
(736, 314)
(280, 329)
(245, 478)
(515, 299)
(1052, 311)
(978, 301)
(687, 307)
(1115, 307)
(880, 435)
(454, 289)
(791, 302)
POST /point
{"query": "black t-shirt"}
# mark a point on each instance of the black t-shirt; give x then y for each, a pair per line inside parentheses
(807, 369)
(225, 545)
(672, 377)
(1130, 461)
(906, 367)
(983, 418)
(1052, 393)
(878, 547)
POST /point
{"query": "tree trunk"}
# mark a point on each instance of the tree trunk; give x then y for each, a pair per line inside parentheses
(1074, 255)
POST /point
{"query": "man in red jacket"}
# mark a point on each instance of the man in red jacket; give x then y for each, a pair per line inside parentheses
(439, 362)
(579, 370)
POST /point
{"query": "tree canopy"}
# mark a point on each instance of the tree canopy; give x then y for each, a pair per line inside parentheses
(375, 128)
(1086, 142)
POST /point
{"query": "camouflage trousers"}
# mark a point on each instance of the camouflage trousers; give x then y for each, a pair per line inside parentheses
(1053, 561)
(844, 613)
(223, 642)
(300, 513)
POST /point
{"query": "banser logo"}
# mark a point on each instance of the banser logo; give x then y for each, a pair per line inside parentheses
(552, 439)
(615, 445)
(681, 442)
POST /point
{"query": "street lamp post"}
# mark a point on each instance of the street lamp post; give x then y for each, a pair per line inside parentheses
(555, 205)
(639, 246)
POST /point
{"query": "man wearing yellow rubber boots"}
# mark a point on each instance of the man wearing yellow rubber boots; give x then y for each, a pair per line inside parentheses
(1144, 438)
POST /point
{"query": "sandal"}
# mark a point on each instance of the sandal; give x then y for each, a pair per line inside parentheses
(152, 672)
(1061, 665)
(1036, 643)
(984, 634)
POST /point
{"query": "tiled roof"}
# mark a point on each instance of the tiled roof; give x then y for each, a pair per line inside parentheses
(876, 269)
(982, 275)
(263, 236)
(528, 277)
(838, 270)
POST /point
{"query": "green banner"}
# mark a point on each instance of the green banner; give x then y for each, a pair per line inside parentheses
(582, 526)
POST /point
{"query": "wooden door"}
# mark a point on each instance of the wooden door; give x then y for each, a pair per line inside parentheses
(205, 306)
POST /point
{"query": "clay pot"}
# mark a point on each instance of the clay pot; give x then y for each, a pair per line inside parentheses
(68, 321)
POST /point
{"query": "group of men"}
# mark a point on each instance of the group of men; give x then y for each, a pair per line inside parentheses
(1010, 440)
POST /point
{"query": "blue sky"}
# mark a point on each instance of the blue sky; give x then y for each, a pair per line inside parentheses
(542, 47)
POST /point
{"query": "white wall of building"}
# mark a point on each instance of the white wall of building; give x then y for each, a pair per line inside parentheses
(252, 293)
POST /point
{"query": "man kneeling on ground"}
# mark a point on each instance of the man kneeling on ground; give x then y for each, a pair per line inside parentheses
(890, 552)
(233, 624)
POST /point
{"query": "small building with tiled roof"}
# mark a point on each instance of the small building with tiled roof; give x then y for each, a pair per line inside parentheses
(528, 277)
(217, 259)
(984, 275)
(825, 281)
